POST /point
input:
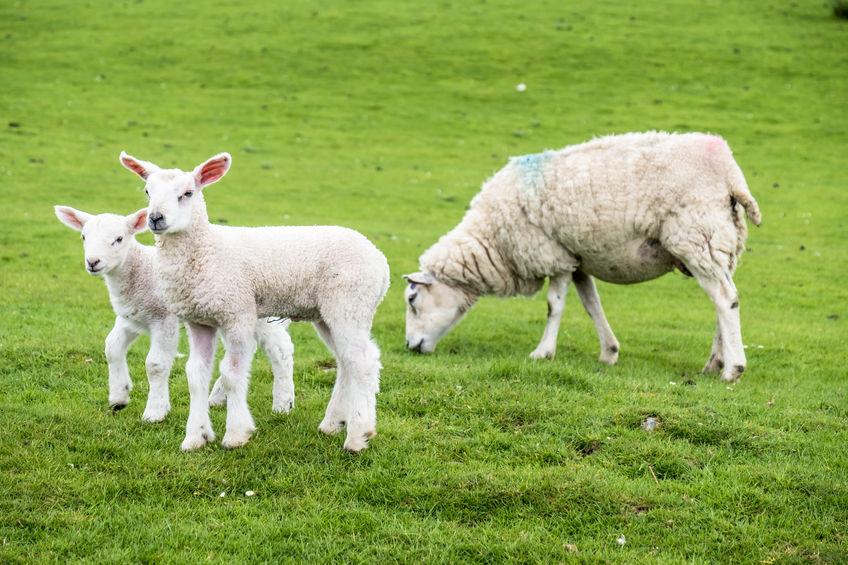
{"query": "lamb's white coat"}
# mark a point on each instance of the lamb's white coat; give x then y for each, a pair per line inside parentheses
(128, 269)
(224, 277)
(624, 209)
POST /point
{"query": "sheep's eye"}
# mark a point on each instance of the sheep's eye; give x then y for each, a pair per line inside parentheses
(146, 193)
(83, 238)
(119, 240)
(186, 194)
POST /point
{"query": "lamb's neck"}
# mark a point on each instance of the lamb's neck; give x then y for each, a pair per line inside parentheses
(120, 281)
(468, 258)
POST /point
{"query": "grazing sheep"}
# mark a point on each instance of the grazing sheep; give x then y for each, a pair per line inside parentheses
(127, 267)
(625, 209)
(220, 277)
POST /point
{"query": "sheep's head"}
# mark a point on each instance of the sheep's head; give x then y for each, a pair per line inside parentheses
(173, 194)
(432, 309)
(106, 238)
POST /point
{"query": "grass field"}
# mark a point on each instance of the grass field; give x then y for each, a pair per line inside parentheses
(386, 117)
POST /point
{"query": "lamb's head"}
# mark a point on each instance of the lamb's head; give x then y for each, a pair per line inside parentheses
(432, 309)
(106, 238)
(173, 194)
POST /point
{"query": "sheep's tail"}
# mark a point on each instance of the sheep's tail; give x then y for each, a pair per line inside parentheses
(739, 191)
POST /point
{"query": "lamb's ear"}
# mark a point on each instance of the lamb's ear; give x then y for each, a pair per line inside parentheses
(420, 278)
(212, 170)
(139, 167)
(71, 217)
(137, 221)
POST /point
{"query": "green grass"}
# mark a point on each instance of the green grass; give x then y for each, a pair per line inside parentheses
(386, 117)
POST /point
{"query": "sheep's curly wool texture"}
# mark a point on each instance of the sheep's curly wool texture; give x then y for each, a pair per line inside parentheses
(222, 275)
(134, 289)
(624, 208)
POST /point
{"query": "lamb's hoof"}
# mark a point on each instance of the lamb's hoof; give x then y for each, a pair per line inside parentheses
(233, 439)
(283, 407)
(714, 365)
(732, 374)
(118, 406)
(154, 415)
(540, 353)
(196, 440)
(358, 442)
(331, 427)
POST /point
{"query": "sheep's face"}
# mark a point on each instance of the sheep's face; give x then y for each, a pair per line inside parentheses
(173, 194)
(107, 238)
(432, 309)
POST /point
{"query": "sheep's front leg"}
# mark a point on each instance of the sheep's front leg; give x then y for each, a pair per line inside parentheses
(557, 288)
(123, 334)
(275, 340)
(164, 339)
(199, 371)
(592, 303)
(240, 345)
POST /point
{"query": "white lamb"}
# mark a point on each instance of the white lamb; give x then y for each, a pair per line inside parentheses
(127, 267)
(624, 209)
(220, 277)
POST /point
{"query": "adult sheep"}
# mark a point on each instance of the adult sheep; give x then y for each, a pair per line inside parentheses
(623, 208)
(222, 277)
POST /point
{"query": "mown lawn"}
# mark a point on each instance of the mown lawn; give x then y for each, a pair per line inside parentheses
(386, 117)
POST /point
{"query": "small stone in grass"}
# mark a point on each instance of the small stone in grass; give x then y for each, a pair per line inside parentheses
(650, 424)
(621, 540)
(521, 87)
(571, 548)
(249, 493)
(222, 495)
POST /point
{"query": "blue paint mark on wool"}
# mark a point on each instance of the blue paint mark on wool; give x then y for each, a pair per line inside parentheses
(533, 169)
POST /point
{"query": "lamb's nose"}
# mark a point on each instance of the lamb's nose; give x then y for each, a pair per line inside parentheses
(154, 219)
(92, 263)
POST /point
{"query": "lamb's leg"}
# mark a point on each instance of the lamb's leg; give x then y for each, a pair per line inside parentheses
(722, 292)
(240, 345)
(585, 286)
(164, 338)
(359, 358)
(275, 340)
(557, 288)
(716, 361)
(198, 372)
(335, 414)
(118, 341)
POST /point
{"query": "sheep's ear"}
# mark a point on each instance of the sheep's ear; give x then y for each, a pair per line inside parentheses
(71, 217)
(212, 170)
(139, 167)
(137, 221)
(419, 278)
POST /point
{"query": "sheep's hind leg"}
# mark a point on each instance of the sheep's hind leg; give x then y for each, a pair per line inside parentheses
(164, 338)
(585, 286)
(335, 415)
(118, 341)
(198, 372)
(716, 361)
(240, 345)
(557, 289)
(275, 340)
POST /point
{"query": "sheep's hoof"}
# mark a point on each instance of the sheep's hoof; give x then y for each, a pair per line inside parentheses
(154, 415)
(359, 442)
(236, 439)
(197, 440)
(732, 374)
(118, 406)
(714, 365)
(540, 353)
(331, 427)
(283, 407)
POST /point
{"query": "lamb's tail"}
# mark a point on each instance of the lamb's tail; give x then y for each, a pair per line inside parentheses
(739, 192)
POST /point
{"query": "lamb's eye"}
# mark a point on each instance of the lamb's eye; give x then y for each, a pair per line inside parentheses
(187, 194)
(83, 238)
(119, 240)
(146, 193)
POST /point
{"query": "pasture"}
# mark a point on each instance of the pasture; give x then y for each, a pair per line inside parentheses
(386, 117)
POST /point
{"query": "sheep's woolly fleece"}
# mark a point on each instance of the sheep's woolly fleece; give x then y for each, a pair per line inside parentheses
(624, 208)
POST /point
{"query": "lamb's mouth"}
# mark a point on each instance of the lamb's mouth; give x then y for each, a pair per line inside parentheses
(95, 271)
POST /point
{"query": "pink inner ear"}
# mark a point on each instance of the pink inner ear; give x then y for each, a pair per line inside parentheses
(71, 219)
(213, 170)
(140, 221)
(135, 167)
